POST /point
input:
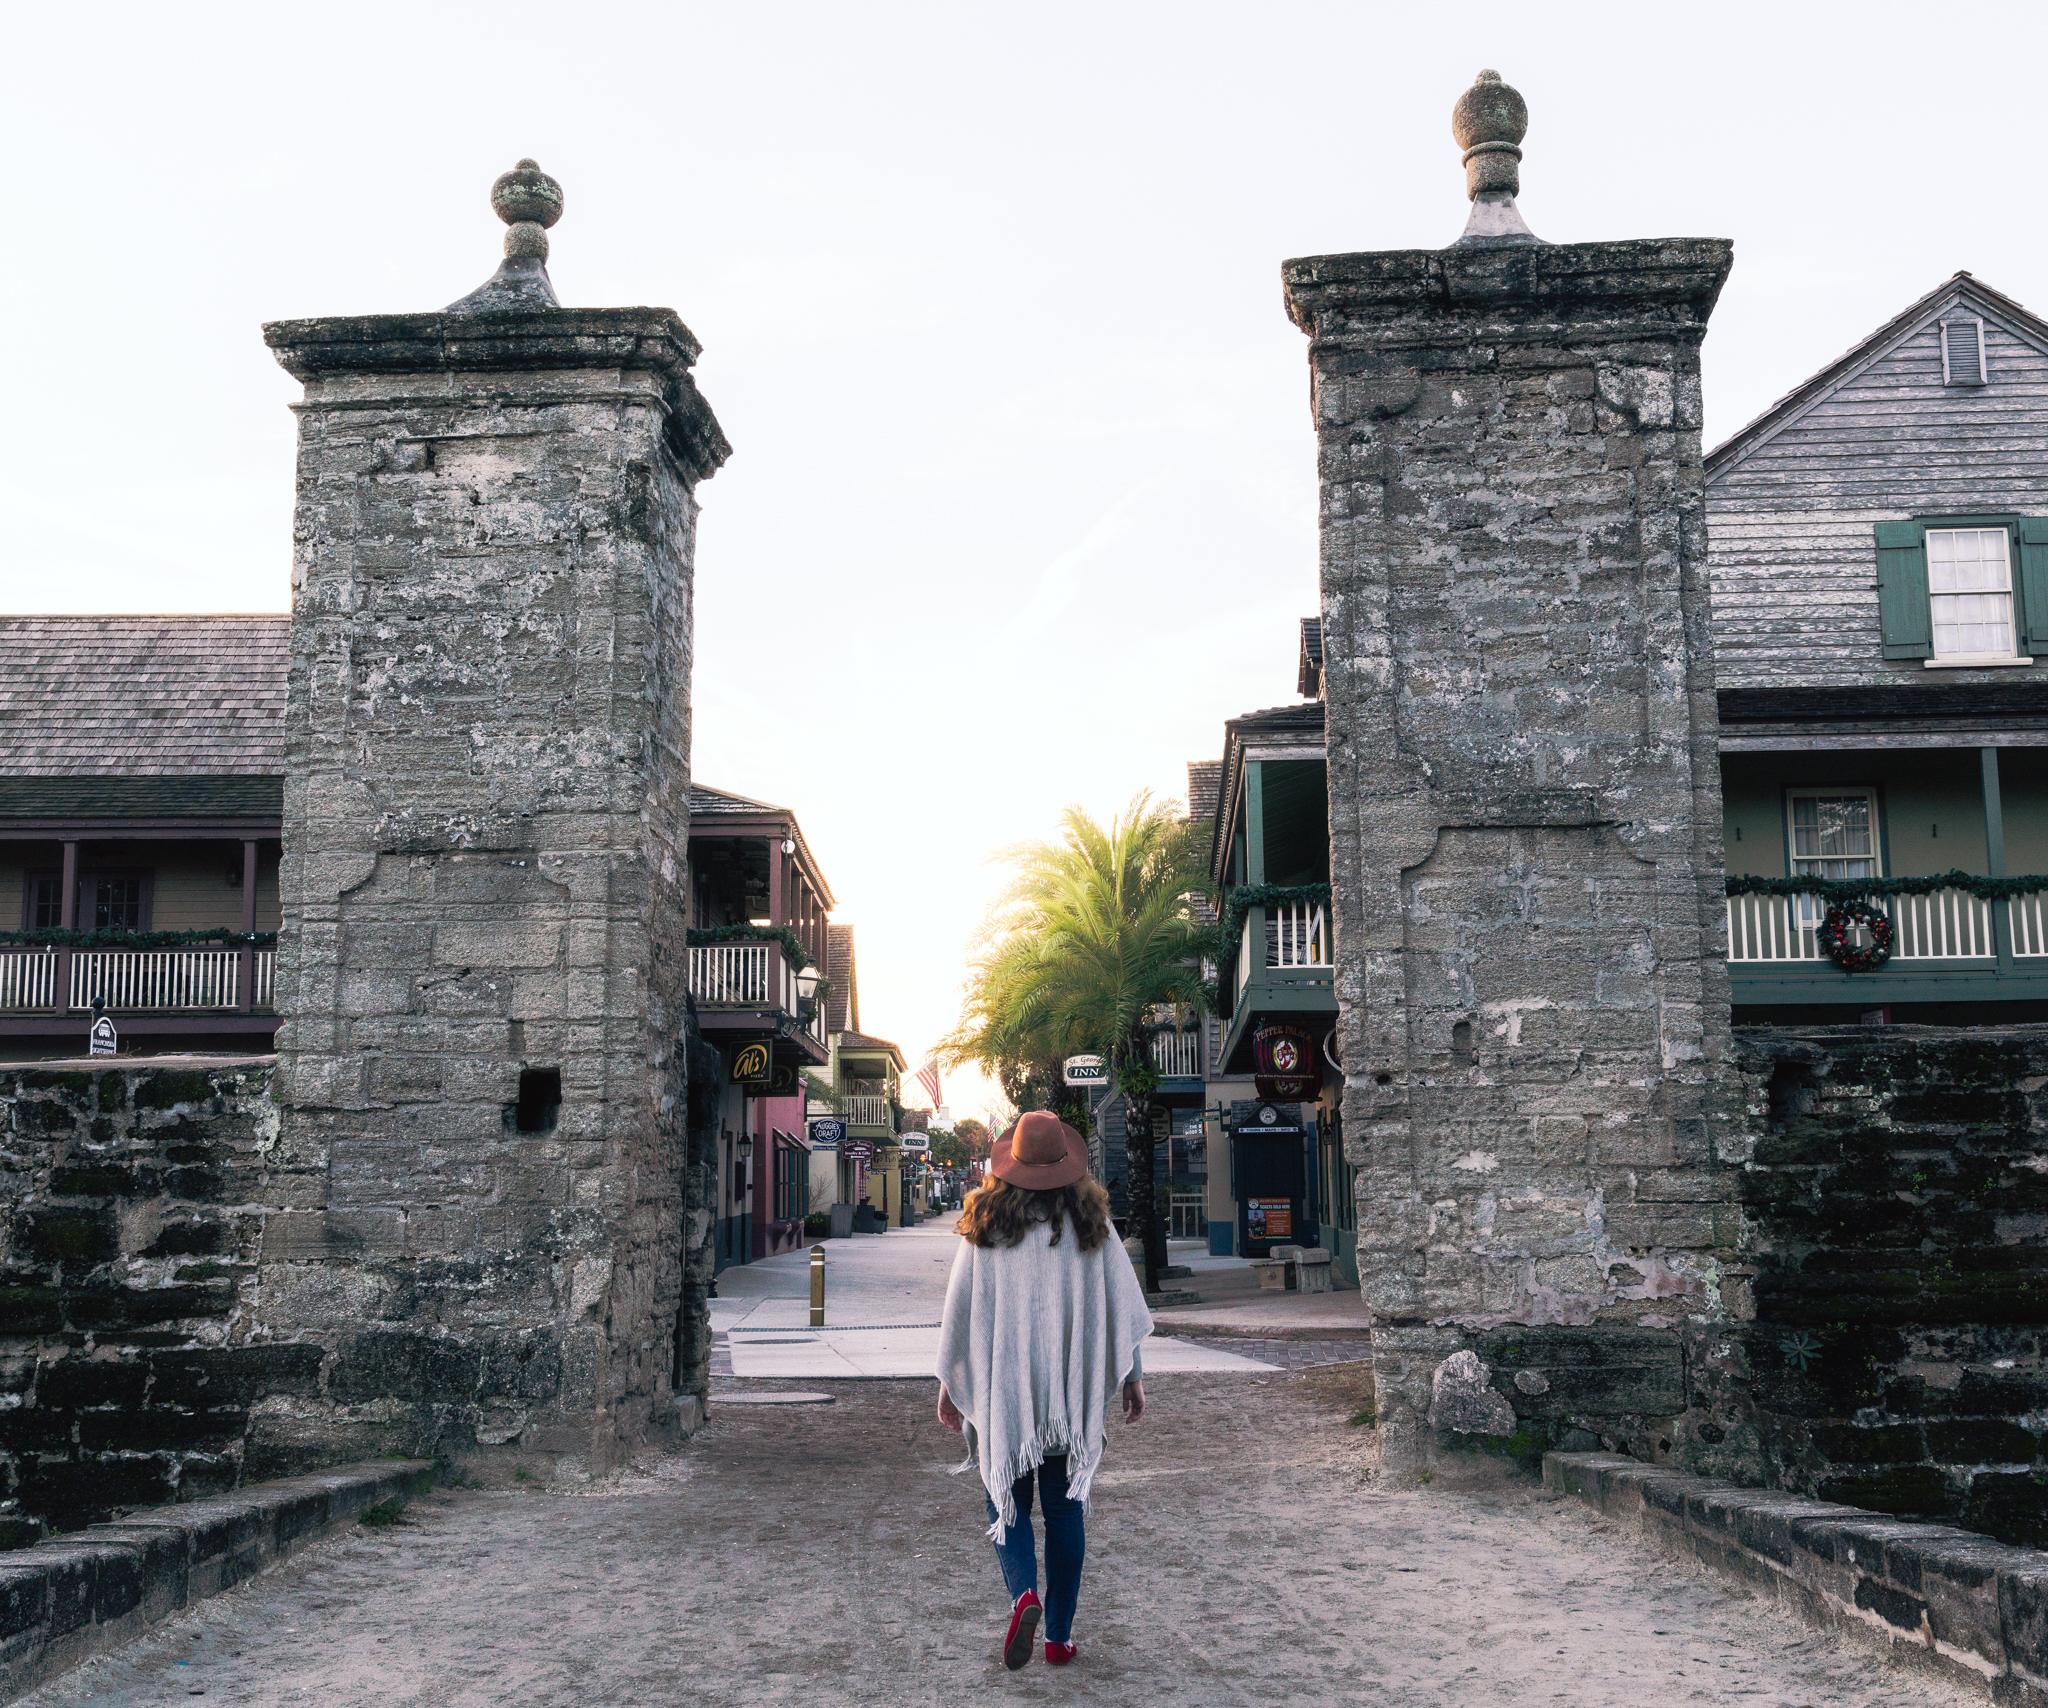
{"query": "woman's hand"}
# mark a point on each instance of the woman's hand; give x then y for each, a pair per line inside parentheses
(949, 1413)
(1134, 1401)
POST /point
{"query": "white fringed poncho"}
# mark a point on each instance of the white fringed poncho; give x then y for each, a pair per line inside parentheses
(1036, 1339)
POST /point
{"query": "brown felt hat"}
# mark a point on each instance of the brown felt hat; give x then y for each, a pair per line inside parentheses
(1039, 1152)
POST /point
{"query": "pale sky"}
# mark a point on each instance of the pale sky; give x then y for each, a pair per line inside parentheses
(1022, 504)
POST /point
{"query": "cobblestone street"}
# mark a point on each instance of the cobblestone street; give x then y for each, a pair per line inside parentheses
(821, 1554)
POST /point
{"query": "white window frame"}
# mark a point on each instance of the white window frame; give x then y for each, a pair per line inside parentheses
(1811, 910)
(1983, 367)
(1971, 660)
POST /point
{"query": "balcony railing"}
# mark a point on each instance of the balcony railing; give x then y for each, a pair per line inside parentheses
(2029, 925)
(731, 975)
(1947, 925)
(865, 1111)
(749, 975)
(1296, 934)
(133, 980)
(1177, 1055)
(28, 979)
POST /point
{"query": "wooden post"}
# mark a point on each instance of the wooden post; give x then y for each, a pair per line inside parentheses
(1254, 823)
(246, 973)
(67, 919)
(817, 1286)
(1994, 857)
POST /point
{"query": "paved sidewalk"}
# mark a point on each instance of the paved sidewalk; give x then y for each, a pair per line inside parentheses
(822, 1557)
(884, 1296)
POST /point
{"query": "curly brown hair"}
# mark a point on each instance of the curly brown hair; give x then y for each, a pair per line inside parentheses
(1000, 1214)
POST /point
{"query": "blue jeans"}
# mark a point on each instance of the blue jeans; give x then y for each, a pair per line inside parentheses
(1066, 1542)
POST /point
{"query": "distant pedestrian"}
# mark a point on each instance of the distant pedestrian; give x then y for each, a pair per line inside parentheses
(1043, 1319)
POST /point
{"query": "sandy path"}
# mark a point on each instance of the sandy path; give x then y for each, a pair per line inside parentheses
(821, 1555)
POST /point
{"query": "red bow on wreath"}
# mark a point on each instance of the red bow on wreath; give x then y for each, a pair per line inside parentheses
(1833, 936)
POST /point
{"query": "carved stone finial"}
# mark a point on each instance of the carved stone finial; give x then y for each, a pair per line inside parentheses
(528, 201)
(1489, 123)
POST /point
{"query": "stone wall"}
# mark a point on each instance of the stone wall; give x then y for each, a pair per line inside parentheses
(130, 1370)
(1524, 802)
(483, 1169)
(1895, 1192)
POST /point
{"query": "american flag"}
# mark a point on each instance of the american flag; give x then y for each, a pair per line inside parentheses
(928, 1077)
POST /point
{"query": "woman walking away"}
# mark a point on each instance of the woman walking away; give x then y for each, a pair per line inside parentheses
(1043, 1321)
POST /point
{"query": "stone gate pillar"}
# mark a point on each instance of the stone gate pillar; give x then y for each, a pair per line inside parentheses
(481, 1159)
(1524, 812)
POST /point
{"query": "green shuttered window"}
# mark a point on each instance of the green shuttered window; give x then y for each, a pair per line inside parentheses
(2032, 583)
(1907, 603)
(1902, 605)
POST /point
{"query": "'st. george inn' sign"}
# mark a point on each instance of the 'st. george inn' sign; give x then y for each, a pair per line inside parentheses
(1086, 1070)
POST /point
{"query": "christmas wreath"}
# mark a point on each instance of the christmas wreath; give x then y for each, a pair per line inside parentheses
(1833, 936)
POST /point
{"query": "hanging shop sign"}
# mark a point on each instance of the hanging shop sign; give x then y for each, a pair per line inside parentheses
(858, 1150)
(785, 1082)
(1085, 1070)
(1285, 1063)
(916, 1142)
(1269, 1123)
(828, 1133)
(753, 1065)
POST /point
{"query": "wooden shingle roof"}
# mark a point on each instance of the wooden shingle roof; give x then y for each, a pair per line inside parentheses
(168, 696)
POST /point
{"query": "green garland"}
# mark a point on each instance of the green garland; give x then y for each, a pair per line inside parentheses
(1857, 889)
(56, 938)
(793, 951)
(1241, 900)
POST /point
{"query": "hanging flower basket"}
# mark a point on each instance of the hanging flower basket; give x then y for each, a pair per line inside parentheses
(1833, 936)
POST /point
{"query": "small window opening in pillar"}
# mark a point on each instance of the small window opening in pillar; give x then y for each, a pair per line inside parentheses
(540, 1100)
(1461, 1044)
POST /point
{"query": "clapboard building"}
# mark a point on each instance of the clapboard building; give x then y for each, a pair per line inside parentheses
(1879, 555)
(141, 804)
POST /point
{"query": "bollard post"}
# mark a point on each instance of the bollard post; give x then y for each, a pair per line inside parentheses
(817, 1286)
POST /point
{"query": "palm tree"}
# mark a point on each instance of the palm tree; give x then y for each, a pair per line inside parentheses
(1091, 937)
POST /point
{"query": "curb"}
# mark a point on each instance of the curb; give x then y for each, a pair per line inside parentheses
(79, 1595)
(1274, 1333)
(1970, 1609)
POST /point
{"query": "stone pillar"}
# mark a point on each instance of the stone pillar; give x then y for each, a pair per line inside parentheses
(1525, 812)
(481, 1165)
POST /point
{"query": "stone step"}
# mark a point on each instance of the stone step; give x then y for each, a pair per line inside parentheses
(1172, 1296)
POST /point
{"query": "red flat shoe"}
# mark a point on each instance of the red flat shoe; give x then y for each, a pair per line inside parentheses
(1024, 1618)
(1058, 1654)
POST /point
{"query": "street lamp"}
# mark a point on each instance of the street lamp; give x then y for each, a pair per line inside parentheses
(788, 845)
(807, 983)
(745, 1148)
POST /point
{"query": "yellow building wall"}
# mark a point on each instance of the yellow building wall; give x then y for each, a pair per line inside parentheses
(190, 891)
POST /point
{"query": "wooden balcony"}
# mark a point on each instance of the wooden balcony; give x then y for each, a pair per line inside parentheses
(1177, 1055)
(752, 977)
(199, 978)
(1285, 971)
(866, 1115)
(1948, 946)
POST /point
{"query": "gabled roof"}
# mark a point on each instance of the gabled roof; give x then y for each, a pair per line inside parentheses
(1292, 729)
(881, 1046)
(1308, 673)
(1961, 287)
(1205, 777)
(150, 696)
(708, 806)
(842, 1007)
